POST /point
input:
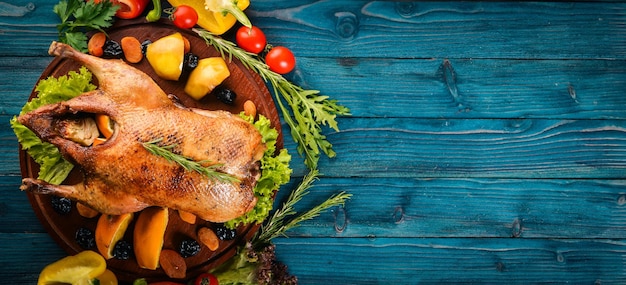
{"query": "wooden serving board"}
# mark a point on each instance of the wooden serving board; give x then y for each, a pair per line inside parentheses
(245, 83)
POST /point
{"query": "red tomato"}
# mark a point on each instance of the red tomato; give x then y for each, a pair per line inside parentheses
(280, 60)
(206, 279)
(184, 17)
(251, 40)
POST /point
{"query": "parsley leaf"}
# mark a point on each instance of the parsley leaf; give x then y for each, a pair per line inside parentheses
(78, 17)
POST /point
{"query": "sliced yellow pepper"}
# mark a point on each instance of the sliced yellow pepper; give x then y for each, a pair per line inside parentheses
(217, 16)
(76, 269)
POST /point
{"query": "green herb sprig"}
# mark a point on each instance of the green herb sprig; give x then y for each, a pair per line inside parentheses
(309, 110)
(187, 163)
(283, 218)
(79, 16)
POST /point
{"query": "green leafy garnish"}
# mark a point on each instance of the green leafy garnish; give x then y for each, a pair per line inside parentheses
(309, 110)
(53, 168)
(275, 172)
(187, 163)
(79, 16)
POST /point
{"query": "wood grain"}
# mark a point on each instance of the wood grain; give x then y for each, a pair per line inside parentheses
(446, 29)
(438, 29)
(468, 208)
(487, 142)
(454, 261)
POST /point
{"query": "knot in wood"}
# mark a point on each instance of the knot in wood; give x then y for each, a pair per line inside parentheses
(347, 24)
(405, 9)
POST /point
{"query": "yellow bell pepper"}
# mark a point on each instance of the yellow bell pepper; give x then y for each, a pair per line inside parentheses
(166, 56)
(77, 269)
(217, 16)
(209, 73)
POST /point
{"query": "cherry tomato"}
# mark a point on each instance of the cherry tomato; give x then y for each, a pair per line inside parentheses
(184, 17)
(206, 279)
(280, 60)
(251, 39)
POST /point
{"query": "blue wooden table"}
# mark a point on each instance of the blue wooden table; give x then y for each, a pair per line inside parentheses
(487, 142)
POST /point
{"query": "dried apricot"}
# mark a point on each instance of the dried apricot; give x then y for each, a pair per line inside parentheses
(173, 264)
(95, 45)
(132, 49)
(249, 108)
(209, 238)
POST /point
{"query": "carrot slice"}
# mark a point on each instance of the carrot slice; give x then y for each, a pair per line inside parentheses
(95, 44)
(132, 49)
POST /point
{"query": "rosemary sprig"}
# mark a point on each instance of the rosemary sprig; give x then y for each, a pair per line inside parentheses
(279, 222)
(187, 163)
(309, 110)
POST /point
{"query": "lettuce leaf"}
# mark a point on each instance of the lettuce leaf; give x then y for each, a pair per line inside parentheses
(275, 172)
(53, 168)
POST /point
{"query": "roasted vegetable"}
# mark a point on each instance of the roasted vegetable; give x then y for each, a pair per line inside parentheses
(209, 73)
(166, 56)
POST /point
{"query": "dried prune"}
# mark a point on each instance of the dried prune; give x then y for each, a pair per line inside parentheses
(225, 233)
(112, 49)
(190, 62)
(144, 46)
(123, 250)
(189, 247)
(85, 238)
(61, 205)
(225, 95)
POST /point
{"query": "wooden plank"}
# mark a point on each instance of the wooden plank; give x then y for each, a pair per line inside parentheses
(477, 208)
(453, 261)
(24, 255)
(9, 157)
(16, 214)
(517, 148)
(470, 88)
(531, 30)
(27, 27)
(445, 29)
(20, 74)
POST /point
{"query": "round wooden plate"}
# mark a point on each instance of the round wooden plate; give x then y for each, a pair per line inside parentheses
(245, 83)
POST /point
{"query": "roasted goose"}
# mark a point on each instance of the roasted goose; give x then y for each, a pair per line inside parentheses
(120, 175)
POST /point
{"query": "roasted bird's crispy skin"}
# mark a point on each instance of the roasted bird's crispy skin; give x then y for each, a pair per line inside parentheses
(120, 175)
